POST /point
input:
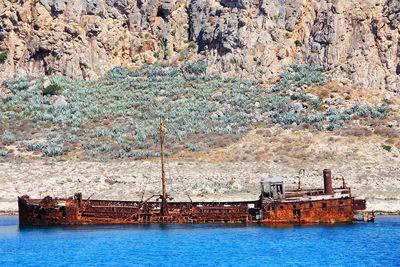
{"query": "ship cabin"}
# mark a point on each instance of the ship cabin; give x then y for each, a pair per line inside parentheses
(272, 188)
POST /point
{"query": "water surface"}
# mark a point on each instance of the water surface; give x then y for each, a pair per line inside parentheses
(359, 244)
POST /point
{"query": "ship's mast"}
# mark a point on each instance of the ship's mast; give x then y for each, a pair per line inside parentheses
(164, 208)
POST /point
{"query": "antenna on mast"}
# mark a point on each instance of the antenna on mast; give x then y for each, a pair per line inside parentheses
(302, 172)
(164, 196)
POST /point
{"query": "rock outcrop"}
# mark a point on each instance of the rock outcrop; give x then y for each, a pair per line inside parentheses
(357, 40)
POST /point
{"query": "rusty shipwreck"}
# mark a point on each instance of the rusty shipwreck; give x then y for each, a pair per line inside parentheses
(276, 204)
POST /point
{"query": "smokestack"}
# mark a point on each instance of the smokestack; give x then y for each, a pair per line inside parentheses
(328, 182)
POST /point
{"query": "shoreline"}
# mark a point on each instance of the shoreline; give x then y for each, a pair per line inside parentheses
(201, 180)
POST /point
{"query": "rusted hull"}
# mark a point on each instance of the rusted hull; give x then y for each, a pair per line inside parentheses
(320, 211)
(275, 205)
(91, 212)
(119, 212)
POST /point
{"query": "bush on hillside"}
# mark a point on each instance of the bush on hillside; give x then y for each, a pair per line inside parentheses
(117, 73)
(197, 68)
(52, 89)
(17, 84)
(8, 138)
(297, 76)
(3, 56)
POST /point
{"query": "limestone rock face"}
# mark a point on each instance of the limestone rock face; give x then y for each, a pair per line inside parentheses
(356, 40)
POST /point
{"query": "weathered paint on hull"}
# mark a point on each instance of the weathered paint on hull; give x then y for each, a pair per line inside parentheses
(48, 212)
(275, 205)
(320, 211)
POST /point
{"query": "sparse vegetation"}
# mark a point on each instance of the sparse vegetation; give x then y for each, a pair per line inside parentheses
(298, 76)
(135, 58)
(100, 14)
(298, 43)
(197, 68)
(8, 138)
(388, 148)
(192, 45)
(52, 89)
(3, 153)
(192, 146)
(3, 56)
(17, 84)
(117, 116)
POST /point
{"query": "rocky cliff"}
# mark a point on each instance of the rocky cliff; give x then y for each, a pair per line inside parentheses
(357, 40)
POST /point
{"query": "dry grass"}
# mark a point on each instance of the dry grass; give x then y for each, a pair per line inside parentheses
(326, 90)
(299, 147)
(373, 97)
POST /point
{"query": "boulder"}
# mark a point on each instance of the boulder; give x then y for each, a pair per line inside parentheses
(59, 101)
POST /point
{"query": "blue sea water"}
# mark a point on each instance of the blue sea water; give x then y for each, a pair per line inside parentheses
(359, 244)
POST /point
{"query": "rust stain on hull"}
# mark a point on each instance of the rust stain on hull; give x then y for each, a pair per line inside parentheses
(292, 209)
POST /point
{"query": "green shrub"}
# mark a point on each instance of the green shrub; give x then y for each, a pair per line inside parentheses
(379, 112)
(54, 147)
(100, 14)
(3, 56)
(388, 148)
(159, 71)
(192, 45)
(119, 154)
(105, 148)
(314, 117)
(198, 67)
(298, 76)
(273, 102)
(8, 138)
(17, 84)
(73, 139)
(192, 146)
(100, 132)
(91, 145)
(34, 146)
(117, 73)
(53, 150)
(3, 152)
(52, 89)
